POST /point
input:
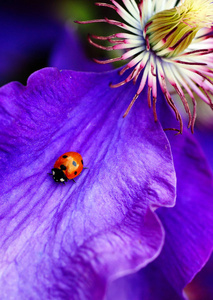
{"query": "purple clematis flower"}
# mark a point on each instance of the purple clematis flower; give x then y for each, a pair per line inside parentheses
(68, 241)
(119, 232)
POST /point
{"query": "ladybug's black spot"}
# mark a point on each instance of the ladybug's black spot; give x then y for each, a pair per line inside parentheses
(75, 172)
(82, 162)
(64, 156)
(74, 163)
(63, 167)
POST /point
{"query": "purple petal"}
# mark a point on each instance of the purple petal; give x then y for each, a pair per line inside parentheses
(149, 283)
(189, 225)
(188, 228)
(205, 138)
(57, 240)
(201, 286)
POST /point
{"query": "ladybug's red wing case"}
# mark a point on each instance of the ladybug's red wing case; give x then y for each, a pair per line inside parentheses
(68, 166)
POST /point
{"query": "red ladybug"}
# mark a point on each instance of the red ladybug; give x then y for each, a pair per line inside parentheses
(67, 166)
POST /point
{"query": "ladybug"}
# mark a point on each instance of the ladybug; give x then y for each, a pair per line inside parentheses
(67, 166)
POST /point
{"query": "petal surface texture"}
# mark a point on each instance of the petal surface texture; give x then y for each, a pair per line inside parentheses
(189, 225)
(67, 241)
(188, 228)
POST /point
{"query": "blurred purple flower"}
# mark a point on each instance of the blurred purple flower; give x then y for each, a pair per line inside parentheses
(26, 39)
(34, 39)
(114, 232)
(68, 53)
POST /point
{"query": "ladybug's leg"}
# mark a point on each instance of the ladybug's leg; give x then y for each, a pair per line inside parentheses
(51, 174)
(73, 180)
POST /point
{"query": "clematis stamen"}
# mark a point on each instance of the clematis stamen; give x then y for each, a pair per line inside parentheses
(154, 109)
(152, 86)
(198, 52)
(106, 5)
(189, 63)
(99, 46)
(103, 38)
(111, 39)
(137, 74)
(116, 41)
(129, 78)
(121, 72)
(179, 91)
(205, 77)
(209, 98)
(149, 96)
(130, 105)
(142, 65)
(107, 61)
(167, 95)
(164, 43)
(126, 16)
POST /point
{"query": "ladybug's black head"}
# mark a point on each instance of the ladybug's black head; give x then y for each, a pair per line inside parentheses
(58, 175)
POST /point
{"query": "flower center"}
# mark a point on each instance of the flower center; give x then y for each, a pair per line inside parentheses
(168, 33)
(172, 47)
